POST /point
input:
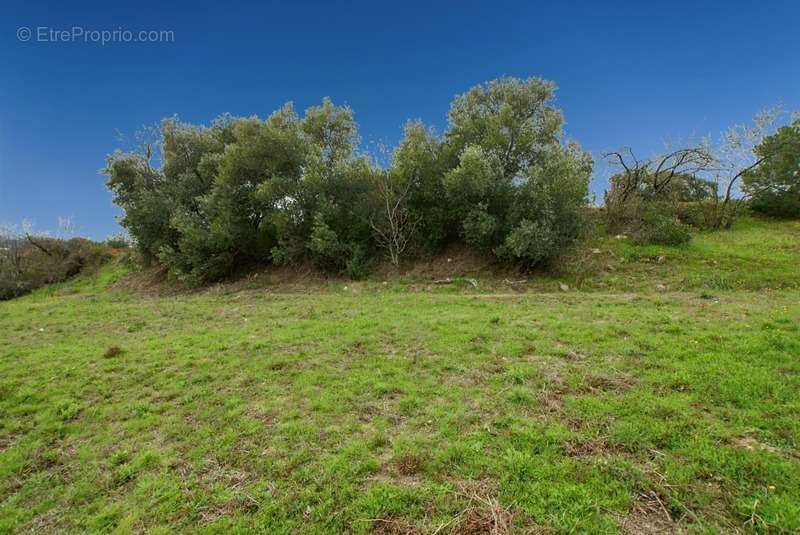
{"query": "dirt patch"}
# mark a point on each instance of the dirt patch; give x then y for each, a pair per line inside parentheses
(399, 471)
(593, 383)
(151, 282)
(484, 514)
(409, 464)
(268, 418)
(156, 281)
(455, 261)
(751, 444)
(213, 473)
(47, 522)
(6, 443)
(393, 526)
(574, 356)
(112, 352)
(590, 448)
(649, 515)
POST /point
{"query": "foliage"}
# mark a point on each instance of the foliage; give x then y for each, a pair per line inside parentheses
(708, 175)
(774, 186)
(29, 261)
(418, 162)
(289, 189)
(118, 241)
(242, 190)
(661, 227)
(516, 189)
(647, 197)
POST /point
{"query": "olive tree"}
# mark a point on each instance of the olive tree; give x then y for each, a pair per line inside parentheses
(516, 188)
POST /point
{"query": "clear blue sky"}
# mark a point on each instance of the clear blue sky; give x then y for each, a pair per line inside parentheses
(629, 73)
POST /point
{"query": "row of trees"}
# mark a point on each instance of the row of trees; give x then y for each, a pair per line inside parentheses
(290, 189)
(204, 200)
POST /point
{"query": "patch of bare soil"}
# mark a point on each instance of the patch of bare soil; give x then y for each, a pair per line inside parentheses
(156, 281)
(151, 282)
(598, 382)
(649, 515)
(393, 526)
(455, 261)
(48, 522)
(400, 471)
(751, 444)
(285, 279)
(484, 514)
(590, 448)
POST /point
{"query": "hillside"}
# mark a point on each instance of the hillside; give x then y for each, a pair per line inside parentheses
(641, 389)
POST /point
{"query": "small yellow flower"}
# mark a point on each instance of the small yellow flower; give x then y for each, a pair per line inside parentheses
(771, 487)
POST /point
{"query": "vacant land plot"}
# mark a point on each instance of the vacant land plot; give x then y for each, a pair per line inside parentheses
(662, 397)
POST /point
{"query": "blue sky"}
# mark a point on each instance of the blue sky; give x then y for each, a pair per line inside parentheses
(629, 73)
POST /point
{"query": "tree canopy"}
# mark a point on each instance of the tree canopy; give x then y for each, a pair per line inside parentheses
(774, 186)
(206, 200)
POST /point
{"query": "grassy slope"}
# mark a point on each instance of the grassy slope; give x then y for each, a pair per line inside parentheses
(376, 408)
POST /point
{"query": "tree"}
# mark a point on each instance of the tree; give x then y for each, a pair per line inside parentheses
(512, 120)
(418, 162)
(734, 157)
(548, 213)
(774, 186)
(392, 223)
(709, 172)
(514, 188)
(662, 178)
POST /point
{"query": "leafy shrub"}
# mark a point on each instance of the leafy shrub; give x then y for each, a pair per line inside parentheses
(531, 241)
(479, 228)
(29, 262)
(117, 241)
(521, 196)
(783, 205)
(325, 245)
(692, 213)
(660, 227)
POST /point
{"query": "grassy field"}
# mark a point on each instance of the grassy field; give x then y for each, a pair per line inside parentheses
(659, 396)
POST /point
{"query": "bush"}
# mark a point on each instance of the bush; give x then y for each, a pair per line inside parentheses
(479, 228)
(703, 215)
(117, 241)
(29, 262)
(531, 241)
(783, 205)
(660, 227)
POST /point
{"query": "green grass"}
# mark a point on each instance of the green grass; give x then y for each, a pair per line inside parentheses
(390, 408)
(756, 255)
